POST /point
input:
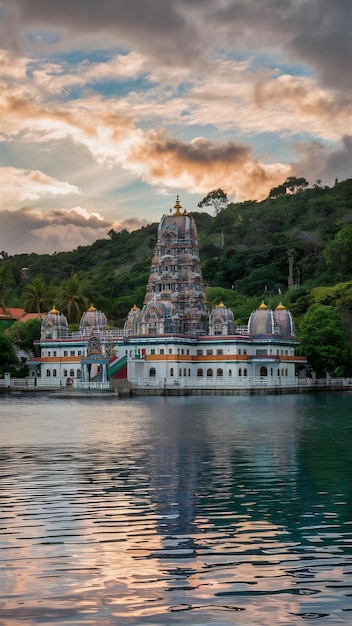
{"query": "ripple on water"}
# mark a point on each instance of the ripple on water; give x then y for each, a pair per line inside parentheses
(172, 512)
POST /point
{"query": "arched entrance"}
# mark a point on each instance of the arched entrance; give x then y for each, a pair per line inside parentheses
(263, 371)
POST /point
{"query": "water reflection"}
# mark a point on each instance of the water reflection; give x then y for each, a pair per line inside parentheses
(176, 510)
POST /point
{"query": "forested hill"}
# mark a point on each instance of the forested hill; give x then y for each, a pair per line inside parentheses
(246, 247)
(250, 251)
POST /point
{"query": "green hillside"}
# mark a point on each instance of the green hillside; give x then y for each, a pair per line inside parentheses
(249, 251)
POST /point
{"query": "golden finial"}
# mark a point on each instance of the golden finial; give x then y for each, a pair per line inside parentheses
(134, 308)
(54, 311)
(221, 305)
(280, 307)
(92, 308)
(263, 305)
(177, 206)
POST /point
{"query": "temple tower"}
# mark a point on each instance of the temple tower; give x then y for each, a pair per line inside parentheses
(175, 299)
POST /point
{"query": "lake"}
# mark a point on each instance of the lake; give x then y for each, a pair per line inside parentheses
(176, 510)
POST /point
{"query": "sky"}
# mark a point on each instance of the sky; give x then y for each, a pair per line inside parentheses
(111, 108)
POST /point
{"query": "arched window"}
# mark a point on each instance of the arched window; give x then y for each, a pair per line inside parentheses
(54, 372)
(72, 373)
(271, 371)
(199, 372)
(48, 372)
(245, 372)
(263, 371)
(152, 372)
(209, 372)
(240, 371)
(171, 371)
(230, 372)
(79, 373)
(219, 372)
(65, 373)
(185, 371)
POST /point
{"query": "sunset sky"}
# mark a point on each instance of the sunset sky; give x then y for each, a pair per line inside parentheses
(111, 108)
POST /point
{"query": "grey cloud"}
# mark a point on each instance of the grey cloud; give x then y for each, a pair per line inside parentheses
(183, 31)
(319, 162)
(28, 230)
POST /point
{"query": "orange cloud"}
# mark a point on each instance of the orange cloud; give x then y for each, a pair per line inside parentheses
(202, 165)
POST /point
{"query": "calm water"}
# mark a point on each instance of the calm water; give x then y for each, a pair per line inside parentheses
(210, 510)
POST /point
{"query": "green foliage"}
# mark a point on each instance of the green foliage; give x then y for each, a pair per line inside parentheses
(324, 341)
(71, 300)
(35, 295)
(7, 282)
(8, 357)
(216, 199)
(23, 335)
(291, 184)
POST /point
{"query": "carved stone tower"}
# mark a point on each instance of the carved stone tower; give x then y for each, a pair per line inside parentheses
(175, 299)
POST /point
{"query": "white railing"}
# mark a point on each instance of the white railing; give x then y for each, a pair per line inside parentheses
(223, 382)
(108, 333)
(90, 385)
(219, 382)
(211, 382)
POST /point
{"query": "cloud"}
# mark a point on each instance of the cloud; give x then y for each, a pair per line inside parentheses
(29, 230)
(317, 161)
(201, 165)
(197, 166)
(18, 185)
(173, 33)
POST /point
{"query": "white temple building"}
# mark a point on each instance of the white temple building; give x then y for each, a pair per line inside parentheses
(173, 344)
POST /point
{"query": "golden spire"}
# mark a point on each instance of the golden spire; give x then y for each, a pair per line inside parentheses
(221, 305)
(177, 206)
(92, 308)
(280, 307)
(263, 305)
(54, 311)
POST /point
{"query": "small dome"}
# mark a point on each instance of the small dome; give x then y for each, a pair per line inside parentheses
(131, 326)
(261, 321)
(92, 320)
(54, 325)
(284, 324)
(221, 321)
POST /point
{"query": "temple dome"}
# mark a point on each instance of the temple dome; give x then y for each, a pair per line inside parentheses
(92, 320)
(54, 325)
(284, 324)
(221, 321)
(261, 321)
(131, 326)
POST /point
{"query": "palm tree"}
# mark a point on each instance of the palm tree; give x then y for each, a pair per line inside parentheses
(72, 301)
(35, 295)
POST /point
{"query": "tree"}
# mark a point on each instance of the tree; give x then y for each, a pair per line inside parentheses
(293, 184)
(71, 299)
(8, 357)
(35, 295)
(24, 334)
(7, 282)
(216, 199)
(324, 341)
